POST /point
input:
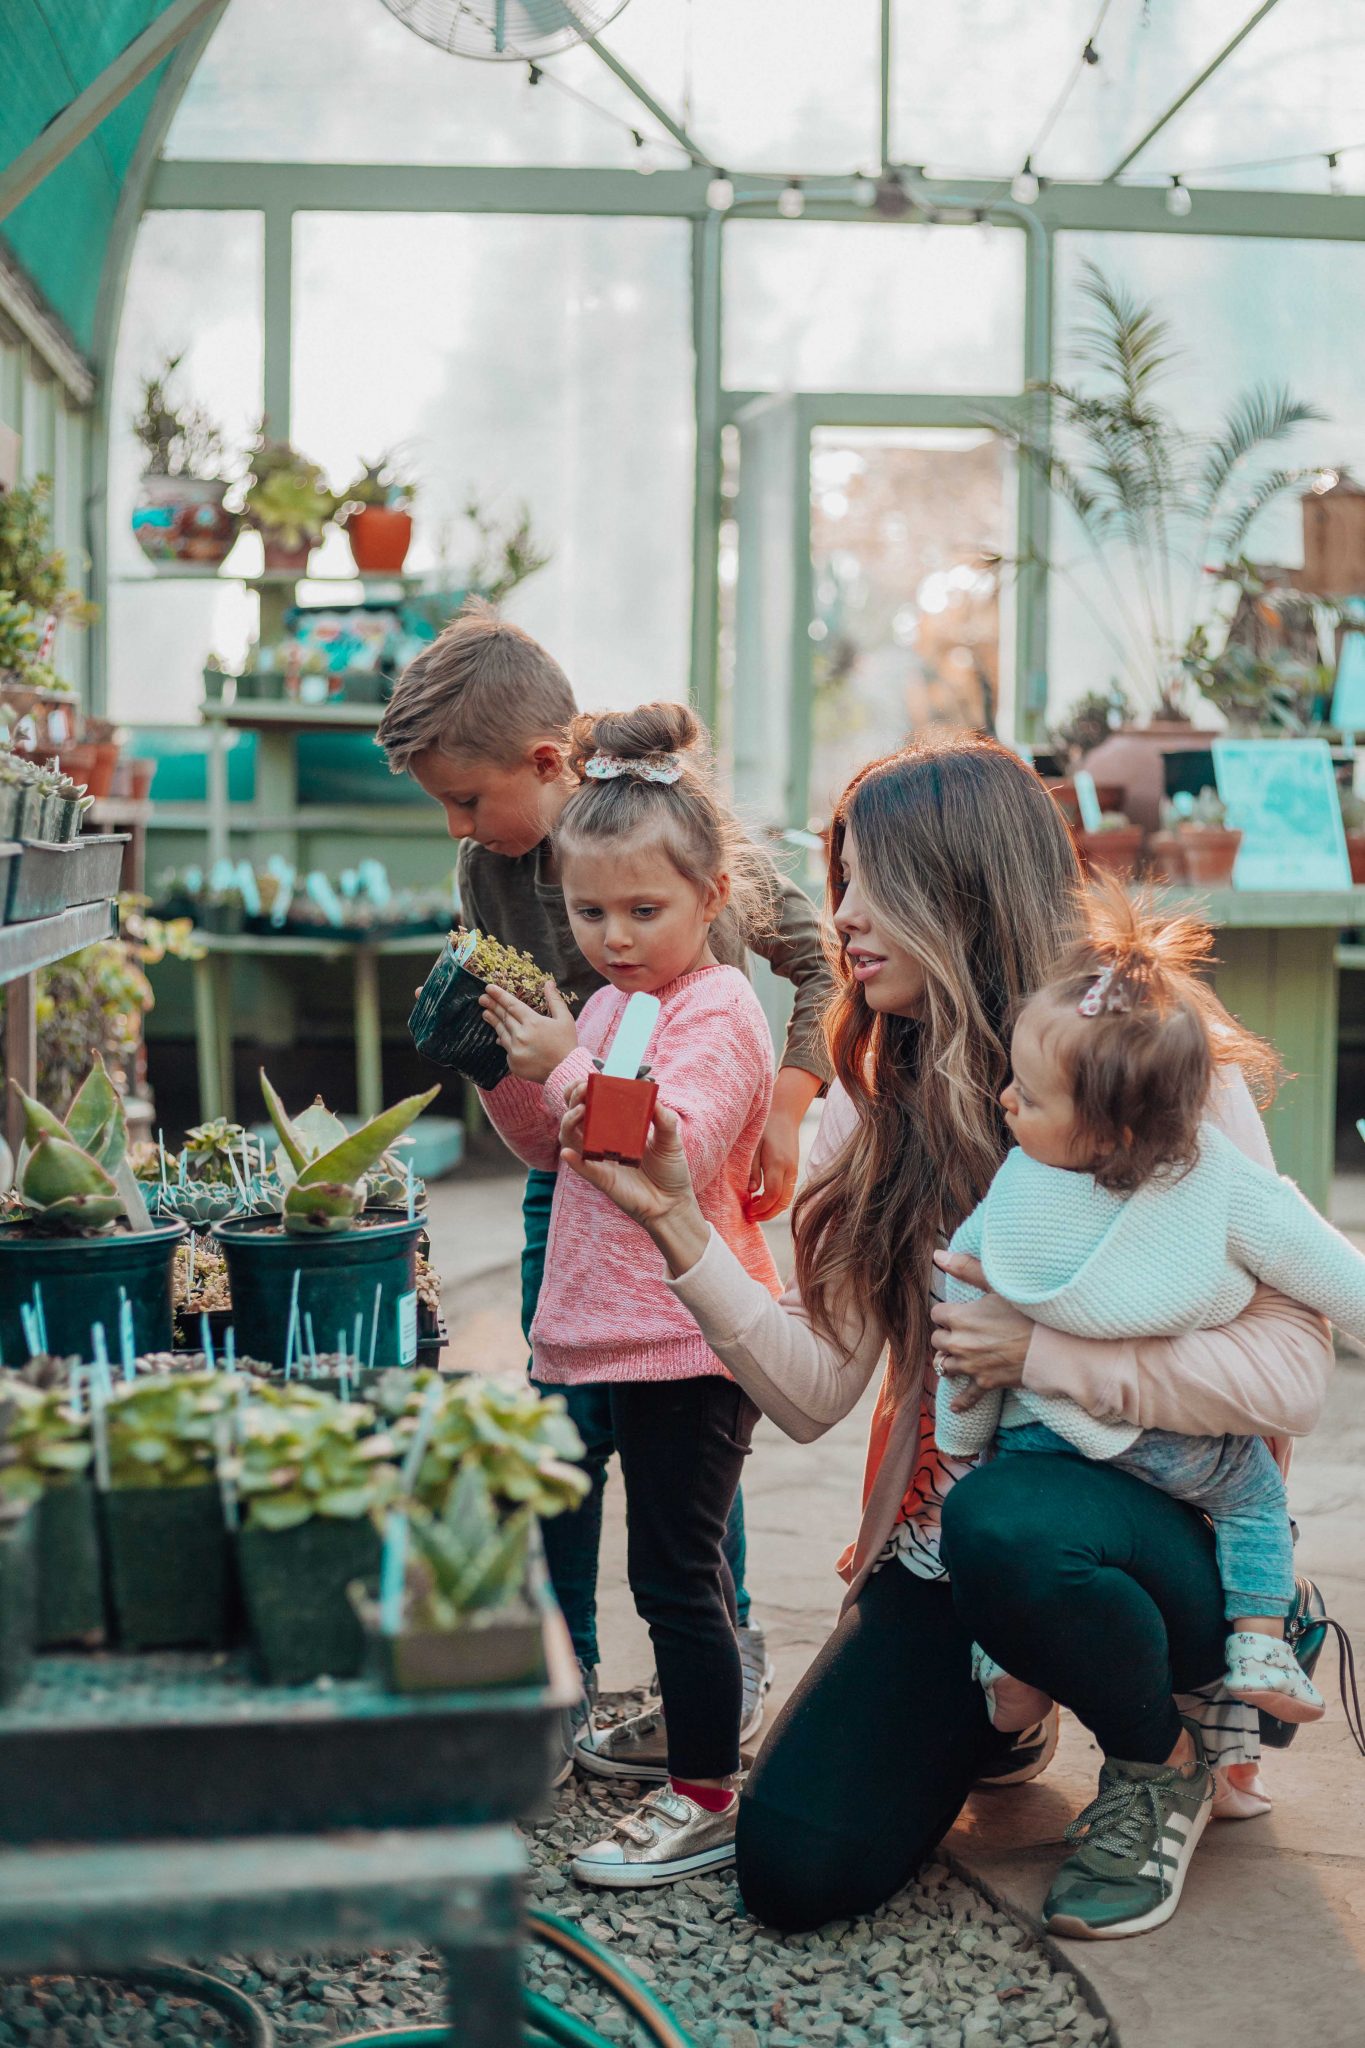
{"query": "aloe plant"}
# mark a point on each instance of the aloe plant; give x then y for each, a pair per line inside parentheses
(466, 1560)
(327, 1187)
(524, 1443)
(305, 1454)
(66, 1170)
(165, 1432)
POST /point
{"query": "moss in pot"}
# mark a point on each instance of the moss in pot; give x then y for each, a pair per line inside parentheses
(164, 1530)
(311, 1473)
(322, 1257)
(80, 1234)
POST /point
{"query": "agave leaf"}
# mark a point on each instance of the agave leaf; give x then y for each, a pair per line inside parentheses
(324, 1206)
(279, 1116)
(62, 1182)
(38, 1122)
(95, 1120)
(362, 1149)
(318, 1130)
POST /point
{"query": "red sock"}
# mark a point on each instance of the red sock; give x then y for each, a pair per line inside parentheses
(714, 1798)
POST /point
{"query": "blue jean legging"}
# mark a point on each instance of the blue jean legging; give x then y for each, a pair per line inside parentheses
(572, 1541)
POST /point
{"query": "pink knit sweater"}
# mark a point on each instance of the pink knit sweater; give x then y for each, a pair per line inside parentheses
(605, 1312)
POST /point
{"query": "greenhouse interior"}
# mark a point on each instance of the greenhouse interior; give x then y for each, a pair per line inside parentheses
(948, 422)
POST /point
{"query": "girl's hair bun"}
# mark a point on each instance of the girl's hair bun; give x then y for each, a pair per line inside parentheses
(662, 728)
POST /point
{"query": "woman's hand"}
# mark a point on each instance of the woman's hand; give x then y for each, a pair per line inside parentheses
(985, 1341)
(534, 1045)
(772, 1182)
(657, 1194)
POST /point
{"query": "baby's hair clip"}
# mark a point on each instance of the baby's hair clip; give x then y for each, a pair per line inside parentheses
(1093, 1001)
(602, 767)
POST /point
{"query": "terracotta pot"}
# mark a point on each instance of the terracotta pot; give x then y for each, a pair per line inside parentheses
(1355, 849)
(181, 521)
(1210, 855)
(140, 774)
(1117, 852)
(1166, 855)
(616, 1117)
(1130, 759)
(380, 536)
(283, 560)
(106, 759)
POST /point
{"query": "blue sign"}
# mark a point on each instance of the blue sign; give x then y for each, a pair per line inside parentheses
(1282, 796)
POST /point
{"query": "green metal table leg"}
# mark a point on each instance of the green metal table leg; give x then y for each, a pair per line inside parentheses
(222, 990)
(483, 1964)
(369, 1063)
(1282, 983)
(208, 1026)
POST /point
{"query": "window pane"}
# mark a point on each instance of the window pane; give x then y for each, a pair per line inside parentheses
(818, 306)
(1241, 313)
(545, 362)
(194, 287)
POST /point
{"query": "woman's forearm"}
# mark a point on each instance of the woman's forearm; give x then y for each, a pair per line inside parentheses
(682, 1236)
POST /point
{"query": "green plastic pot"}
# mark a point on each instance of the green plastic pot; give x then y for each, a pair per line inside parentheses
(18, 1580)
(80, 1278)
(341, 1275)
(167, 1552)
(294, 1582)
(67, 1546)
(448, 1026)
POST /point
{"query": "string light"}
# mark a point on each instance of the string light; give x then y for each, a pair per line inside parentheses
(720, 193)
(1027, 185)
(1178, 200)
(791, 200)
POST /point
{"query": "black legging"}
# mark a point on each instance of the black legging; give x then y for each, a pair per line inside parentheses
(1084, 1581)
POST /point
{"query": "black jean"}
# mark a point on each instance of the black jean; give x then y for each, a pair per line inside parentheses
(682, 1445)
(1084, 1581)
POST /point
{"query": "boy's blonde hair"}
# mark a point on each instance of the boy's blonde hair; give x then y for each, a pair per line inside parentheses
(484, 687)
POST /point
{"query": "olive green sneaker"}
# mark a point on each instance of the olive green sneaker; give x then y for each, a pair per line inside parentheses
(1136, 1839)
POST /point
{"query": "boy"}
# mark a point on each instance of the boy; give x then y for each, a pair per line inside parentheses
(477, 720)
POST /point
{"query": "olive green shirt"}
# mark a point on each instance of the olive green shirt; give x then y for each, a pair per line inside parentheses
(515, 901)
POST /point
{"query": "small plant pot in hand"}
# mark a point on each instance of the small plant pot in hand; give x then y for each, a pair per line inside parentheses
(1210, 855)
(448, 1026)
(616, 1118)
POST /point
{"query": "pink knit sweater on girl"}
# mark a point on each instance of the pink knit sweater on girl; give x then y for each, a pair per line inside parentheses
(605, 1312)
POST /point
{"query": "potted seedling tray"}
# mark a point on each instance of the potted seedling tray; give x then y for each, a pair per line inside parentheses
(188, 1746)
(70, 1584)
(49, 879)
(168, 1562)
(294, 1585)
(80, 1280)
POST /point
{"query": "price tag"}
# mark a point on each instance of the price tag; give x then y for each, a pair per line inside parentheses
(407, 1328)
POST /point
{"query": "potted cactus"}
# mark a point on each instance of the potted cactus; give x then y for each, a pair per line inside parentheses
(82, 1243)
(164, 1533)
(45, 1462)
(1208, 844)
(311, 1473)
(447, 1023)
(377, 518)
(289, 503)
(323, 1263)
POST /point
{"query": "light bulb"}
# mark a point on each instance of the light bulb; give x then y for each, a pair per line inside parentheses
(720, 194)
(791, 201)
(1178, 200)
(1025, 188)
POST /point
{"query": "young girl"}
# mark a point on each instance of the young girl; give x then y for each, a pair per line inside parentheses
(1122, 1213)
(649, 860)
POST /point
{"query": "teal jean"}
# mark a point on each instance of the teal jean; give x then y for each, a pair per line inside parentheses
(572, 1541)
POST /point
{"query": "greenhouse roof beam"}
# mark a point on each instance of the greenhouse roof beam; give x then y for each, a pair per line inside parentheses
(648, 101)
(1191, 89)
(68, 129)
(490, 188)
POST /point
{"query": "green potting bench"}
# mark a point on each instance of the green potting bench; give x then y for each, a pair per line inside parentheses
(1277, 971)
(213, 1003)
(165, 1807)
(24, 949)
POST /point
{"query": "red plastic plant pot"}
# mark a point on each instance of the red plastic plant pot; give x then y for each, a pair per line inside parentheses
(616, 1118)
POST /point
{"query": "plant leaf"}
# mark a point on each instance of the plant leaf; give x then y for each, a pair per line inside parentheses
(294, 1150)
(38, 1122)
(360, 1150)
(95, 1120)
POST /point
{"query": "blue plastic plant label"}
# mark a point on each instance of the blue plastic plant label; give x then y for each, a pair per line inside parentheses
(407, 1329)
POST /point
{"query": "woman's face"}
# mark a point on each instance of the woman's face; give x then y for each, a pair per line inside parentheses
(892, 979)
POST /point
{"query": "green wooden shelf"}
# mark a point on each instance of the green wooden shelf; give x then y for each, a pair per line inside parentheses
(25, 948)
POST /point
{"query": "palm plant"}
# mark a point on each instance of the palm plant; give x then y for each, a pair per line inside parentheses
(1153, 498)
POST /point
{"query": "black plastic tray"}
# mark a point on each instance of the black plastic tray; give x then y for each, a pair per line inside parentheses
(49, 879)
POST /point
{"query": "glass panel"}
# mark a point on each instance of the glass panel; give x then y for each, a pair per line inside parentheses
(544, 361)
(1242, 313)
(974, 85)
(907, 529)
(194, 287)
(818, 306)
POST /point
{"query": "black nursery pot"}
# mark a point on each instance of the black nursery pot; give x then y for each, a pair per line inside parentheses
(294, 1584)
(70, 1588)
(448, 1026)
(80, 1278)
(17, 1604)
(341, 1274)
(167, 1552)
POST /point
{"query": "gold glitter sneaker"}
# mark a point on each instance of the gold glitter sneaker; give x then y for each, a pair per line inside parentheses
(667, 1837)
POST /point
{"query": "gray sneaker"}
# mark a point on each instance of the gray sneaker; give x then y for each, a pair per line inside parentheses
(667, 1837)
(1136, 1841)
(758, 1678)
(574, 1723)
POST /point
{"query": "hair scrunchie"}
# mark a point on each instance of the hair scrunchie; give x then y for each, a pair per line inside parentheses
(641, 767)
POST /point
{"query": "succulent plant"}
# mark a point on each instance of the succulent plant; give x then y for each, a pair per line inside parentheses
(43, 1441)
(66, 1171)
(211, 1148)
(165, 1431)
(524, 1443)
(199, 1203)
(379, 483)
(287, 496)
(327, 1188)
(466, 1560)
(302, 1454)
(503, 967)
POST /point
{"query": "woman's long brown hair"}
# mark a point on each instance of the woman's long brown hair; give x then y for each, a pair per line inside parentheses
(967, 864)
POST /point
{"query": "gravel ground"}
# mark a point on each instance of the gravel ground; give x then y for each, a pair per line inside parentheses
(938, 1968)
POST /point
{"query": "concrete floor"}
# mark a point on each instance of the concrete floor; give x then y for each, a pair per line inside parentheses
(1271, 1935)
